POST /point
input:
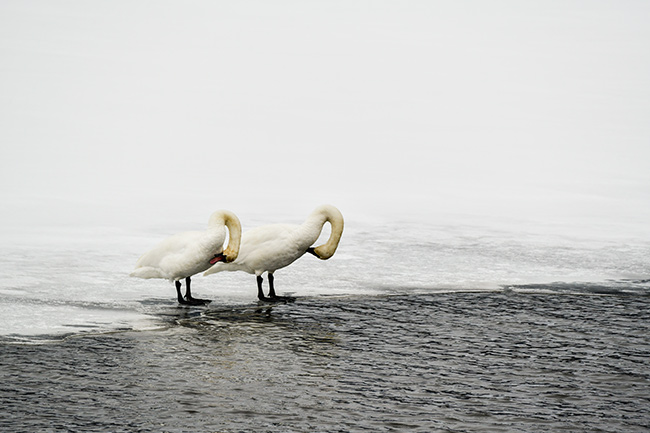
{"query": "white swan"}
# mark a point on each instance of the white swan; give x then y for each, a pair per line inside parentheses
(188, 253)
(271, 247)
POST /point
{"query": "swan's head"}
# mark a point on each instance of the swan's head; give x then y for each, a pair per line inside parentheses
(221, 257)
(319, 253)
(324, 252)
(230, 255)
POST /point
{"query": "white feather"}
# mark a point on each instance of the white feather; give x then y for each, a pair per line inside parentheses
(272, 247)
(185, 254)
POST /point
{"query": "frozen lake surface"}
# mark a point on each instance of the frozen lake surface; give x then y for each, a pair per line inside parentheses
(68, 279)
(410, 326)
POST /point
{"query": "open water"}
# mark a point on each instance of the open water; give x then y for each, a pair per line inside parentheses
(412, 327)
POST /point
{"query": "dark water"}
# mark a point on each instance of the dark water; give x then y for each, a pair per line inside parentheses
(455, 362)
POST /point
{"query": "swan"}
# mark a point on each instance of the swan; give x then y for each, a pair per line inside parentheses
(185, 254)
(272, 247)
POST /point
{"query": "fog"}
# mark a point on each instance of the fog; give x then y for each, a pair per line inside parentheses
(128, 110)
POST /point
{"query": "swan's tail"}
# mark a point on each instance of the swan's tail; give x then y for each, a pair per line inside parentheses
(147, 272)
(223, 266)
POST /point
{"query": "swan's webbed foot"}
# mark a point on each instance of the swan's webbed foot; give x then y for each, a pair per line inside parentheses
(277, 299)
(188, 299)
(195, 301)
(272, 298)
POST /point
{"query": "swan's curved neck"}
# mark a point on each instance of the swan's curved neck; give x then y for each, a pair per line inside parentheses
(230, 220)
(333, 216)
(234, 233)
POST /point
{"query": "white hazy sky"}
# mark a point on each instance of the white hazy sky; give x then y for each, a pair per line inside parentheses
(376, 106)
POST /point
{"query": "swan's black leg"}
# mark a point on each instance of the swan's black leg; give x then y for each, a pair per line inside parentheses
(260, 292)
(275, 298)
(271, 288)
(188, 291)
(181, 300)
(188, 294)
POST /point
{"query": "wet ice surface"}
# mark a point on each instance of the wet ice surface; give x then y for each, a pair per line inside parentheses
(422, 362)
(409, 327)
(68, 279)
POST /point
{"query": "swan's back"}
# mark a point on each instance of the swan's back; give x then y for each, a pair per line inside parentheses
(272, 247)
(268, 248)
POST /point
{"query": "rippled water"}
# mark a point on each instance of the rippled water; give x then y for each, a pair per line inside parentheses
(487, 361)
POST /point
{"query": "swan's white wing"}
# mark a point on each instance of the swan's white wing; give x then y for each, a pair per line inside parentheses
(265, 240)
(169, 247)
(262, 248)
(269, 248)
(178, 256)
